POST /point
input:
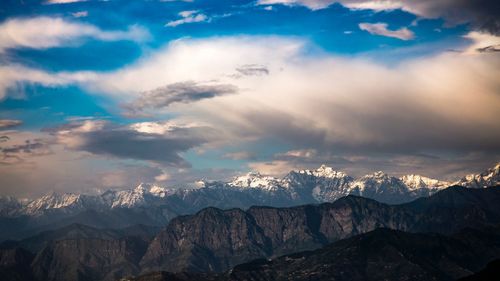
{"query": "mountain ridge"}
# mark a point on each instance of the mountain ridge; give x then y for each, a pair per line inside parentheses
(215, 240)
(156, 205)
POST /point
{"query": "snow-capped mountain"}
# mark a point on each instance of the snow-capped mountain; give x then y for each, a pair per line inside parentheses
(416, 182)
(323, 184)
(489, 177)
(67, 202)
(255, 180)
(142, 195)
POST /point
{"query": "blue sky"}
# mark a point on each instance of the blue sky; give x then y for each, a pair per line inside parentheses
(175, 91)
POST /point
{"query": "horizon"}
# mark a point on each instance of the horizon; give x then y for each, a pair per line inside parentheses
(98, 95)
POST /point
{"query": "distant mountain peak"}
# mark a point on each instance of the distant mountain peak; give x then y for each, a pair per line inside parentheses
(254, 180)
(378, 176)
(414, 181)
(323, 171)
(489, 177)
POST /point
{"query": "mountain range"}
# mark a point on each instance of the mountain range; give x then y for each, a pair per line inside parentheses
(213, 243)
(154, 205)
(382, 254)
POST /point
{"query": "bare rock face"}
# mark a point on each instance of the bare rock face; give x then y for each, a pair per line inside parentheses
(211, 240)
(216, 240)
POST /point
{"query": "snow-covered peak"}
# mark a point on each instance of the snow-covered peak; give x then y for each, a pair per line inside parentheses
(159, 191)
(378, 177)
(325, 172)
(378, 183)
(490, 177)
(413, 182)
(53, 201)
(254, 180)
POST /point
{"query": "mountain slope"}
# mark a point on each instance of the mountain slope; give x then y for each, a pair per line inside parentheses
(382, 254)
(215, 240)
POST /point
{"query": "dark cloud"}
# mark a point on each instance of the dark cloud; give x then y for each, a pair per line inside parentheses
(183, 92)
(158, 142)
(489, 49)
(253, 70)
(18, 153)
(9, 123)
(482, 14)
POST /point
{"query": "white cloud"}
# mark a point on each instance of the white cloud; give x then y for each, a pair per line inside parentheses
(381, 29)
(45, 32)
(189, 17)
(80, 14)
(482, 42)
(16, 77)
(51, 2)
(311, 4)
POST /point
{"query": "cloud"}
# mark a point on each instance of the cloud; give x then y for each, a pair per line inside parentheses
(483, 14)
(182, 92)
(322, 103)
(15, 148)
(52, 2)
(9, 123)
(80, 14)
(482, 43)
(240, 155)
(45, 32)
(253, 69)
(438, 105)
(15, 77)
(188, 17)
(381, 29)
(160, 142)
(311, 4)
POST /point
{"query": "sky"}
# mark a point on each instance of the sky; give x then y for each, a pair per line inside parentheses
(108, 94)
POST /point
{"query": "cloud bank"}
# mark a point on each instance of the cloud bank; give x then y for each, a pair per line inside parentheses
(346, 110)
